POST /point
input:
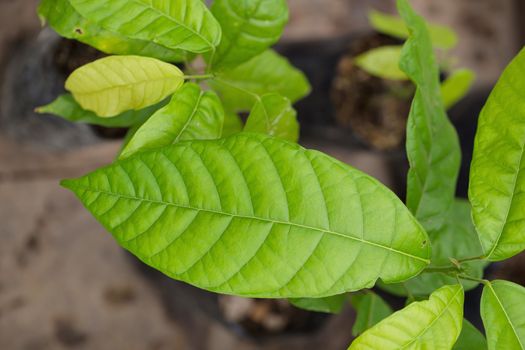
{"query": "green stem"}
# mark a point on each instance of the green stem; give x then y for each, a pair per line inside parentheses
(443, 269)
(471, 259)
(199, 77)
(469, 278)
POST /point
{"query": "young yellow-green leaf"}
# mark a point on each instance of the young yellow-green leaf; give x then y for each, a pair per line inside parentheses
(382, 62)
(371, 309)
(432, 143)
(66, 107)
(176, 24)
(267, 73)
(248, 29)
(497, 173)
(456, 86)
(456, 239)
(252, 215)
(115, 84)
(192, 114)
(503, 314)
(67, 22)
(431, 324)
(233, 123)
(442, 37)
(274, 115)
(470, 338)
(329, 305)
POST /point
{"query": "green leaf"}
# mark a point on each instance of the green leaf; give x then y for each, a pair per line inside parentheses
(329, 305)
(503, 314)
(497, 173)
(382, 62)
(274, 115)
(115, 84)
(470, 338)
(232, 124)
(66, 107)
(176, 24)
(432, 143)
(192, 114)
(456, 86)
(248, 29)
(442, 37)
(67, 22)
(456, 239)
(267, 73)
(371, 309)
(256, 216)
(432, 324)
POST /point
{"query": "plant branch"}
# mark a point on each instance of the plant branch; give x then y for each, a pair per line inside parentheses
(199, 77)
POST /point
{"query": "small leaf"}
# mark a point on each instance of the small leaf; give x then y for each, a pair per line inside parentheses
(192, 114)
(329, 305)
(267, 73)
(115, 84)
(66, 107)
(275, 116)
(248, 29)
(432, 324)
(256, 216)
(432, 143)
(233, 124)
(456, 86)
(176, 24)
(470, 338)
(371, 309)
(382, 62)
(503, 314)
(67, 22)
(442, 37)
(497, 173)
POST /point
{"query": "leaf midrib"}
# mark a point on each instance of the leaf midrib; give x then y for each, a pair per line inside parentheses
(426, 261)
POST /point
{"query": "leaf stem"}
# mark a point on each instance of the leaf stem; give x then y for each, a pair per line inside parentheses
(471, 259)
(443, 269)
(469, 278)
(199, 77)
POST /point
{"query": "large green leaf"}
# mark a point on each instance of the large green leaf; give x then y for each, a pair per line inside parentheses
(432, 324)
(432, 143)
(497, 174)
(177, 24)
(192, 114)
(470, 338)
(330, 305)
(371, 309)
(256, 216)
(456, 86)
(456, 239)
(442, 37)
(67, 22)
(267, 73)
(503, 314)
(274, 115)
(115, 84)
(66, 107)
(248, 29)
(382, 62)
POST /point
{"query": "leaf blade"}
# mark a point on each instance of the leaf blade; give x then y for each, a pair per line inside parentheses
(470, 338)
(382, 62)
(456, 86)
(192, 114)
(371, 309)
(288, 235)
(330, 305)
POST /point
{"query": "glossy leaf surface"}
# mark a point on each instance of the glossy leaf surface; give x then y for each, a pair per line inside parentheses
(274, 115)
(177, 24)
(503, 314)
(192, 114)
(115, 84)
(248, 29)
(256, 216)
(470, 338)
(267, 73)
(431, 324)
(330, 305)
(432, 143)
(371, 309)
(497, 174)
(66, 107)
(382, 62)
(67, 22)
(456, 86)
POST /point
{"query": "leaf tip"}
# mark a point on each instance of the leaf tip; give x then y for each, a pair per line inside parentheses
(68, 183)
